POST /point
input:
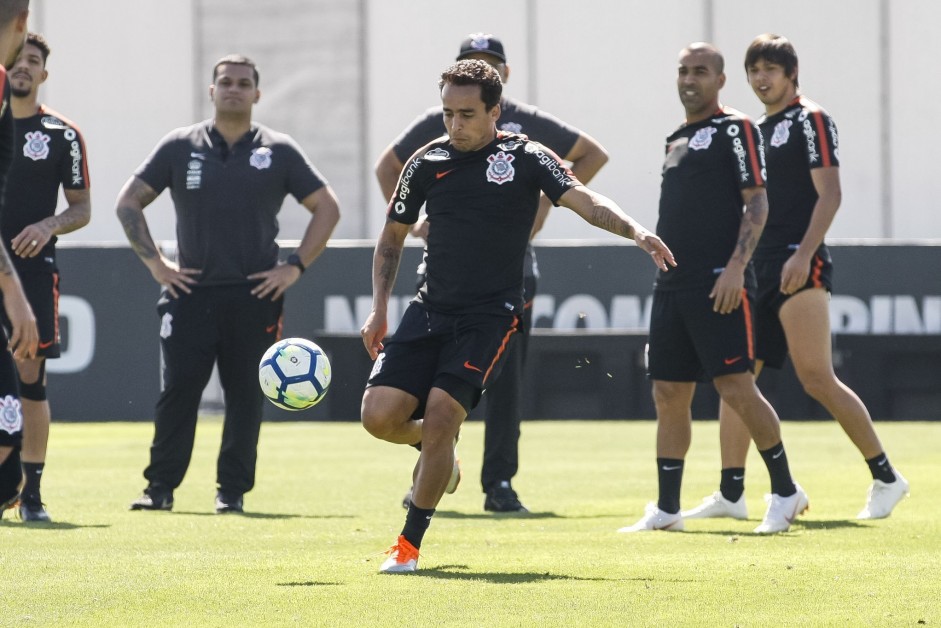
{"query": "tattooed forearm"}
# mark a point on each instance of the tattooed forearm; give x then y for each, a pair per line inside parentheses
(753, 223)
(604, 218)
(388, 258)
(135, 228)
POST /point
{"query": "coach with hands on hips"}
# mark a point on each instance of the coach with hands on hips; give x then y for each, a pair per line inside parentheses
(228, 177)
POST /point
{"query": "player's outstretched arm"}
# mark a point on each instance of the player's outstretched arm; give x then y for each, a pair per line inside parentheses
(605, 214)
(134, 197)
(30, 241)
(385, 267)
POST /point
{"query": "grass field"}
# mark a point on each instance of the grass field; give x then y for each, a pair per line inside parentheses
(327, 502)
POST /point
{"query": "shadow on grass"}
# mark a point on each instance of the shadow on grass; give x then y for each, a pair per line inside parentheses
(50, 525)
(797, 526)
(309, 583)
(462, 572)
(451, 514)
(261, 515)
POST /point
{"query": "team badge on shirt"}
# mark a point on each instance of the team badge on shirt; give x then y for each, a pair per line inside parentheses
(501, 168)
(37, 145)
(702, 139)
(782, 131)
(11, 415)
(261, 158)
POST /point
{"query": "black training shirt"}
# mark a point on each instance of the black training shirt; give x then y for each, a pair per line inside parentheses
(227, 198)
(49, 152)
(798, 139)
(707, 165)
(6, 134)
(482, 205)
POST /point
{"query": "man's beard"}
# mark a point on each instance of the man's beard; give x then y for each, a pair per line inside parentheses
(20, 92)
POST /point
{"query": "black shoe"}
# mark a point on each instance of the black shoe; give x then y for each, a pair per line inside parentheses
(154, 498)
(32, 509)
(502, 498)
(229, 503)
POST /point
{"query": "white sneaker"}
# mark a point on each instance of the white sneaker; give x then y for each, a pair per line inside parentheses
(403, 557)
(782, 511)
(718, 506)
(883, 497)
(656, 519)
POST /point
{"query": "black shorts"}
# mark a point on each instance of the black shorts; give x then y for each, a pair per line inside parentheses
(42, 292)
(11, 412)
(770, 341)
(432, 349)
(689, 342)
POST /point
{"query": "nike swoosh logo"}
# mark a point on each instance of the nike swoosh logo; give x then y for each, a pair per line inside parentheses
(778, 455)
(738, 477)
(270, 328)
(45, 345)
(674, 468)
(441, 175)
(470, 366)
(730, 361)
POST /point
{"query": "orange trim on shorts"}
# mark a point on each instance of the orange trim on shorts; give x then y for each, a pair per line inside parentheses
(816, 270)
(749, 327)
(506, 340)
(55, 307)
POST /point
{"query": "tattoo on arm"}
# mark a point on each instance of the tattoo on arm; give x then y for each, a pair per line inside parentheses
(388, 269)
(132, 218)
(606, 219)
(753, 223)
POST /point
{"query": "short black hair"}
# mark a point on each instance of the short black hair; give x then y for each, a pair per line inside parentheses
(711, 50)
(475, 72)
(37, 40)
(774, 49)
(235, 60)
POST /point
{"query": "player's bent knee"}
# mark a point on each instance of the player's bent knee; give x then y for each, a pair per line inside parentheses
(35, 391)
(384, 411)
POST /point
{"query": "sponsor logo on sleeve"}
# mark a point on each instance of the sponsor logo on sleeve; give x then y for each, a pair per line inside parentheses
(703, 138)
(782, 131)
(75, 152)
(37, 145)
(501, 168)
(260, 158)
(406, 178)
(52, 122)
(559, 172)
(811, 136)
(834, 137)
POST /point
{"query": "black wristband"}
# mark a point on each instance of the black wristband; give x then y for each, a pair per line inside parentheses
(295, 260)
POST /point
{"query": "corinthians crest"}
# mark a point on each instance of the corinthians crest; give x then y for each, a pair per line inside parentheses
(37, 145)
(261, 158)
(781, 133)
(702, 139)
(501, 168)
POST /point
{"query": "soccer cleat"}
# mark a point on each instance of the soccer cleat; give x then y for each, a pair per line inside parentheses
(656, 519)
(502, 498)
(782, 511)
(32, 509)
(229, 503)
(883, 497)
(716, 506)
(154, 498)
(403, 557)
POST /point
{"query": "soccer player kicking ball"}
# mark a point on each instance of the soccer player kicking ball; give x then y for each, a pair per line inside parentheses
(795, 276)
(481, 190)
(700, 324)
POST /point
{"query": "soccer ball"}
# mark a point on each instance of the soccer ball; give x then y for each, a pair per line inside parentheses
(294, 374)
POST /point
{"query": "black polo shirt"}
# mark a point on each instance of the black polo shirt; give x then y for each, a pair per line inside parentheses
(6, 133)
(227, 198)
(798, 139)
(49, 153)
(708, 164)
(482, 205)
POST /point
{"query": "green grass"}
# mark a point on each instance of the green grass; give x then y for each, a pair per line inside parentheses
(327, 503)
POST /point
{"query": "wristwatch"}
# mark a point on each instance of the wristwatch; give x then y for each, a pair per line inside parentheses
(295, 260)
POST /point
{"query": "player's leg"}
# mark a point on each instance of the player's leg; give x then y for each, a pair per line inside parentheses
(11, 433)
(806, 321)
(243, 340)
(36, 420)
(188, 344)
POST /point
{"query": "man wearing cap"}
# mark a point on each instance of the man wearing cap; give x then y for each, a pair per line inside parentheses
(587, 156)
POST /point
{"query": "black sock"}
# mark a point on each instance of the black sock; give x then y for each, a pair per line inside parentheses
(670, 476)
(33, 473)
(881, 469)
(417, 521)
(732, 485)
(776, 460)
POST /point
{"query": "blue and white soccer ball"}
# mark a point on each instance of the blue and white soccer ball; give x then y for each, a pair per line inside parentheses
(294, 374)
